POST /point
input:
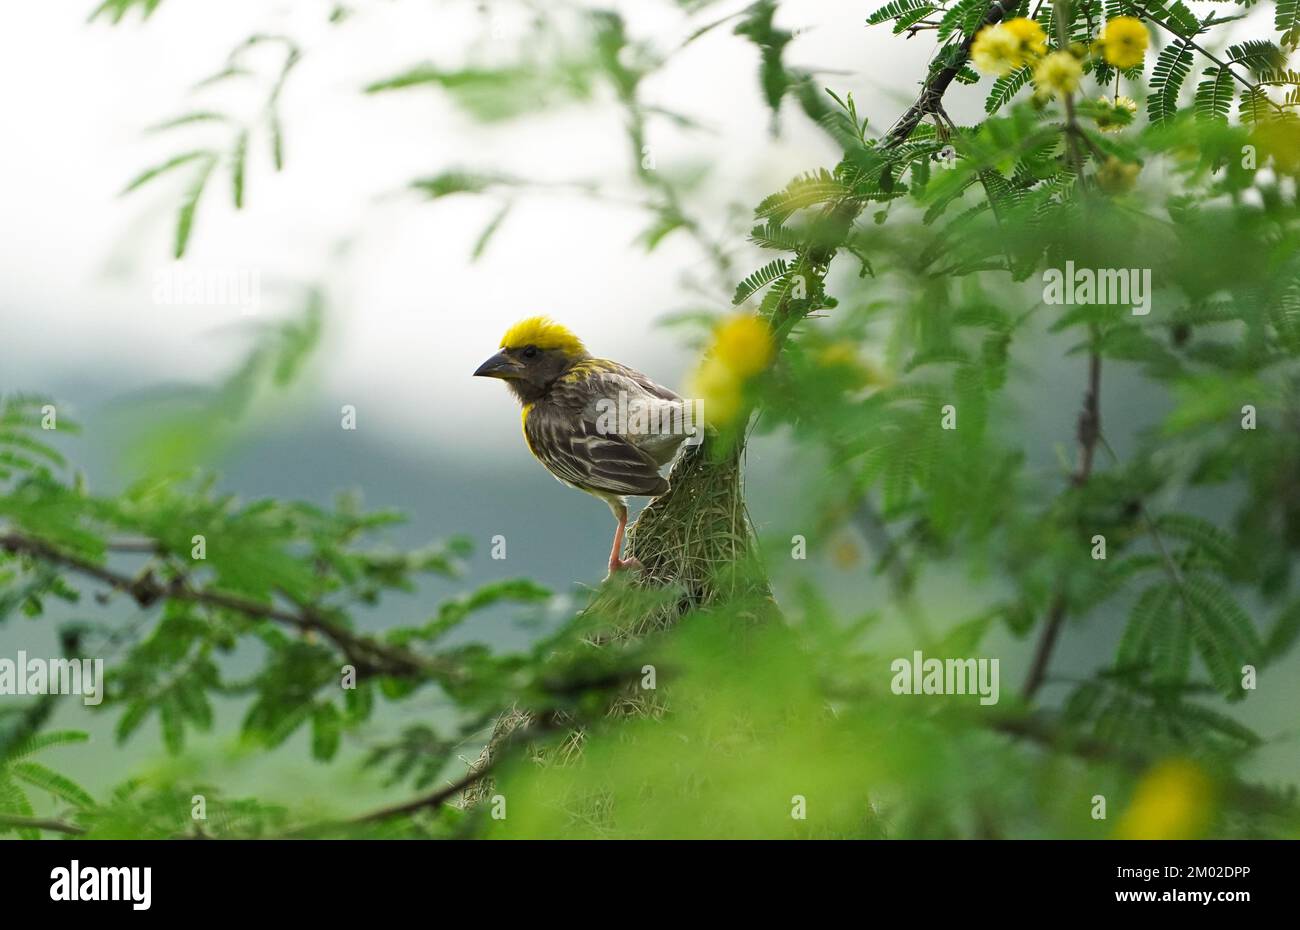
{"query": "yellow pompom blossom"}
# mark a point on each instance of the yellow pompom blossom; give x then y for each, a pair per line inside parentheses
(1280, 139)
(1030, 36)
(1058, 74)
(742, 347)
(1004, 47)
(721, 390)
(844, 356)
(1109, 120)
(843, 353)
(1116, 176)
(743, 344)
(1124, 41)
(994, 50)
(1173, 801)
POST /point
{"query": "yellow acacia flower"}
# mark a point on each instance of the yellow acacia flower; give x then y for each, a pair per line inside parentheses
(1109, 120)
(1004, 47)
(1171, 802)
(744, 345)
(1125, 41)
(1116, 176)
(996, 50)
(1030, 36)
(843, 356)
(721, 390)
(1058, 74)
(1281, 139)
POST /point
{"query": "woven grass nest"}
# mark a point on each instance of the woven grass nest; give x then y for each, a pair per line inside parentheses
(690, 540)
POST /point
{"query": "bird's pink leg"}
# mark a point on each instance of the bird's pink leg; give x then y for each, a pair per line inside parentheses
(615, 562)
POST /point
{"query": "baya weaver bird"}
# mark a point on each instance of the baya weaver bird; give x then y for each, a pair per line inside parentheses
(567, 396)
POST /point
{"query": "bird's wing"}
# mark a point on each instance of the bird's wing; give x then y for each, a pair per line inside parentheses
(575, 451)
(607, 389)
(601, 377)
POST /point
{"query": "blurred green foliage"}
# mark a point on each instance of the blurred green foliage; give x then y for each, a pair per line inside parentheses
(741, 720)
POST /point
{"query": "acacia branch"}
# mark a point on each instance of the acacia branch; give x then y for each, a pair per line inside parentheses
(937, 84)
(1189, 42)
(429, 801)
(41, 823)
(928, 102)
(546, 722)
(1089, 432)
(367, 654)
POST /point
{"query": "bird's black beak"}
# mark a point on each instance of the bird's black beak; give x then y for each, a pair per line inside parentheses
(500, 365)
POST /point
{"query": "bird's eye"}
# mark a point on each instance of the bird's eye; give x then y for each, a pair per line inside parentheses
(530, 352)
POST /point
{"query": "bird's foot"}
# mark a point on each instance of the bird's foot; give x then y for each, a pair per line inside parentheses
(617, 565)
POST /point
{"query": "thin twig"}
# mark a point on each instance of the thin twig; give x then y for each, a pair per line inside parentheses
(433, 800)
(1167, 560)
(936, 85)
(1089, 432)
(367, 654)
(542, 723)
(1189, 42)
(1061, 13)
(873, 528)
(41, 823)
(142, 545)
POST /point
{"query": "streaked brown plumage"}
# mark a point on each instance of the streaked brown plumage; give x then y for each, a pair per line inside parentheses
(562, 389)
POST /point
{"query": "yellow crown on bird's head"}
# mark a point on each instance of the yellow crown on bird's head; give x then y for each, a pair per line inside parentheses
(545, 333)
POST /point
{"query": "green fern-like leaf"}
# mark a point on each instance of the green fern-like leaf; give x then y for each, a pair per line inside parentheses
(1171, 645)
(13, 800)
(116, 10)
(1006, 87)
(51, 781)
(1259, 55)
(1287, 21)
(1177, 15)
(1254, 106)
(1206, 538)
(170, 164)
(190, 205)
(776, 236)
(17, 766)
(1002, 194)
(1285, 631)
(911, 18)
(962, 19)
(1135, 646)
(326, 732)
(1213, 721)
(1172, 68)
(238, 165)
(42, 741)
(1223, 632)
(1214, 95)
(758, 26)
(804, 191)
(458, 182)
(896, 8)
(760, 279)
(838, 125)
